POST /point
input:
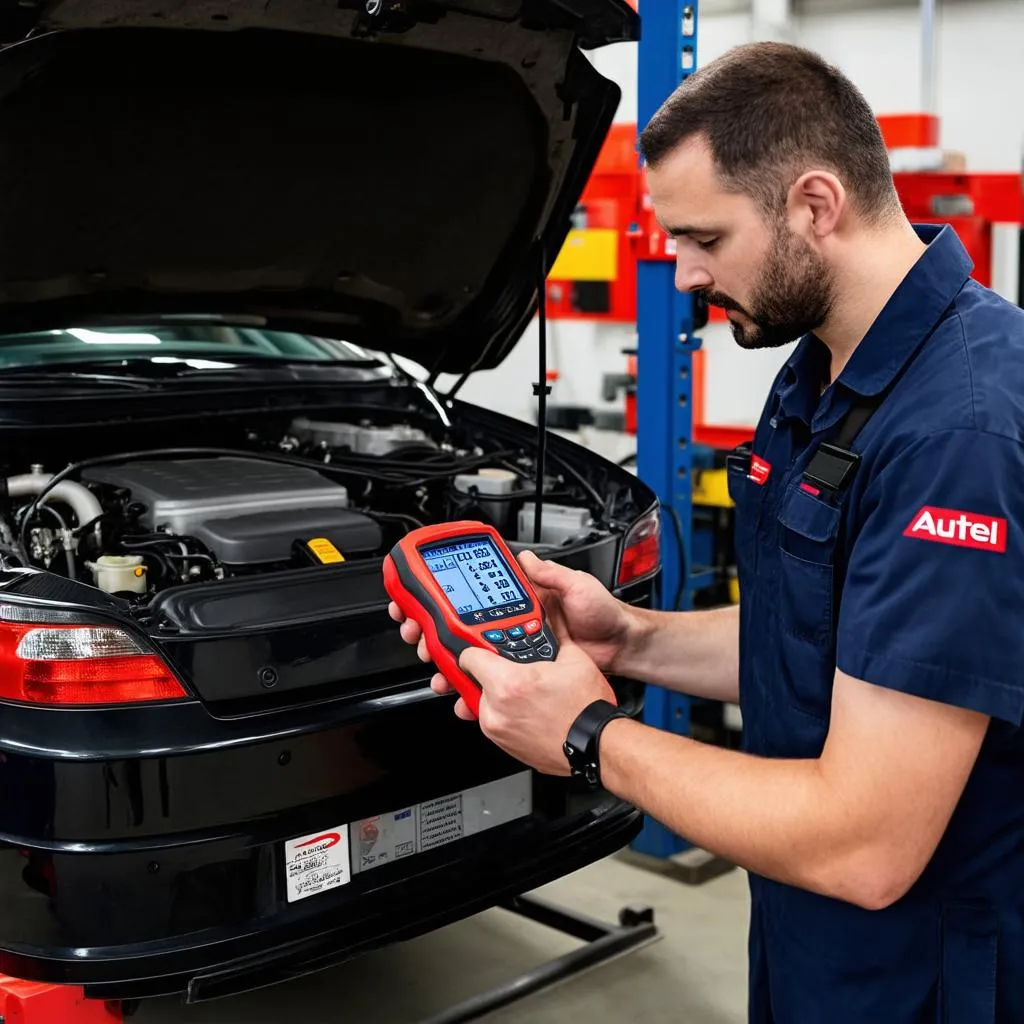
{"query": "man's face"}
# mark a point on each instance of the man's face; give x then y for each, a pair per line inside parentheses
(773, 285)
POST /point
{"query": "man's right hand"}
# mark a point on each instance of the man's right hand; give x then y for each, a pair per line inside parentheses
(598, 622)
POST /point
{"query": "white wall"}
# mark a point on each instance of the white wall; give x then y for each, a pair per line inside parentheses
(979, 72)
(980, 80)
(979, 83)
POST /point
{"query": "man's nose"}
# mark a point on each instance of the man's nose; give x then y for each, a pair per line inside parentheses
(692, 277)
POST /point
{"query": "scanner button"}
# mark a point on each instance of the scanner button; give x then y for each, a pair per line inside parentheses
(494, 636)
(515, 633)
(540, 638)
(547, 651)
(524, 656)
(517, 645)
(533, 626)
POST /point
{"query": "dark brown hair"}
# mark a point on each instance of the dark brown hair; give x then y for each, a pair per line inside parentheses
(771, 111)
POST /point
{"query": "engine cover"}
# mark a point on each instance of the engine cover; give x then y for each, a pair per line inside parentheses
(245, 511)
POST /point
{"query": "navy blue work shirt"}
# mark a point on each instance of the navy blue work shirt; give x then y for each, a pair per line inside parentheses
(912, 579)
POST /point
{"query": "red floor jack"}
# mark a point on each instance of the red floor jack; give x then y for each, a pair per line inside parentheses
(38, 1002)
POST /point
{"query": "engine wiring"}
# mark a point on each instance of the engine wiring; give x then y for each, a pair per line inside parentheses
(399, 476)
(380, 469)
(410, 522)
(160, 547)
(69, 554)
(438, 465)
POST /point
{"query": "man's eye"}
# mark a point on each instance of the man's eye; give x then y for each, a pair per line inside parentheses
(709, 244)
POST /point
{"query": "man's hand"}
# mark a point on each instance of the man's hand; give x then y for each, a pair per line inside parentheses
(598, 622)
(527, 709)
(594, 620)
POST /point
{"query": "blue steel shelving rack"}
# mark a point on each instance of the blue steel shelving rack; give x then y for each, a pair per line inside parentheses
(665, 346)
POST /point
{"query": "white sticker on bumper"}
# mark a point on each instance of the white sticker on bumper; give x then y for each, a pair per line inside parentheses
(316, 863)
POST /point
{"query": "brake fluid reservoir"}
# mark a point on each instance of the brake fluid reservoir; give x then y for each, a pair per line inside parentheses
(488, 481)
(118, 573)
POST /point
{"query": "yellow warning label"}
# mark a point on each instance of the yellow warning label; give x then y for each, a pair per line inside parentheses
(325, 550)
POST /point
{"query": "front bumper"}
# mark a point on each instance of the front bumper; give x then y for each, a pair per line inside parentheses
(449, 885)
(166, 875)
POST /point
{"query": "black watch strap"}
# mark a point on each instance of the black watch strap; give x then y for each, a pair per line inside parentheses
(582, 743)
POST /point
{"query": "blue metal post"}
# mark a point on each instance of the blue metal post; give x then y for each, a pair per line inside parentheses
(667, 54)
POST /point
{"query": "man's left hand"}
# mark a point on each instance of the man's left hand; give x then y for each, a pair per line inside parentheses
(527, 710)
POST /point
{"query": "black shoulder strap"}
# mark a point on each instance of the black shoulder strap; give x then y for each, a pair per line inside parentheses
(834, 463)
(864, 406)
(862, 409)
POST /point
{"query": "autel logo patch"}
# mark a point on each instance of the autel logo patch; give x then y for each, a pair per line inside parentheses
(961, 529)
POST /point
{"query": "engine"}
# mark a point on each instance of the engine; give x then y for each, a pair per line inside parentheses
(318, 492)
(235, 514)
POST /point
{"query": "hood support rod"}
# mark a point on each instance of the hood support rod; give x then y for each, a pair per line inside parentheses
(541, 389)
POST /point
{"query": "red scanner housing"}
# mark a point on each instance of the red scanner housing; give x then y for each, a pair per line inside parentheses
(464, 588)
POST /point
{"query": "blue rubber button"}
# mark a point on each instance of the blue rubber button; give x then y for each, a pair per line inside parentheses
(515, 632)
(494, 636)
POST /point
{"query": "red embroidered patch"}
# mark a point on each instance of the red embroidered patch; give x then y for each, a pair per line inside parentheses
(759, 470)
(961, 529)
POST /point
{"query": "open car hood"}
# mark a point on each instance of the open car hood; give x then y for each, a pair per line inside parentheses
(392, 179)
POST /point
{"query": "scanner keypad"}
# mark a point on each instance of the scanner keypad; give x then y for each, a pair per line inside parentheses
(526, 643)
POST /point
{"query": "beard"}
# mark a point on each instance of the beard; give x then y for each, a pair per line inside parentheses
(793, 295)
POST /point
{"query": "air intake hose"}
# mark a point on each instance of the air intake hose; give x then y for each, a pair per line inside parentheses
(82, 501)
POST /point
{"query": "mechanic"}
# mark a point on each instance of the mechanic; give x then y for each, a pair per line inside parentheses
(877, 651)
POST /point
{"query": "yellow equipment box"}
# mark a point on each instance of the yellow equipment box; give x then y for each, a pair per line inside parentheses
(711, 487)
(589, 254)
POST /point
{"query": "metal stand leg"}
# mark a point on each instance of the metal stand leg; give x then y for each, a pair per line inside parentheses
(35, 1002)
(604, 941)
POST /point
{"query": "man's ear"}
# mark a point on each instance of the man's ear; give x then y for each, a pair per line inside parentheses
(816, 202)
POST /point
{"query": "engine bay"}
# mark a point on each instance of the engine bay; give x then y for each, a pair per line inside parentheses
(281, 495)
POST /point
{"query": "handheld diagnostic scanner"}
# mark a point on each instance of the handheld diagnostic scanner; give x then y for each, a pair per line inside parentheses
(463, 586)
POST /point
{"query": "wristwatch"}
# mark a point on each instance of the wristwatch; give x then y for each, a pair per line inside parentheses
(581, 744)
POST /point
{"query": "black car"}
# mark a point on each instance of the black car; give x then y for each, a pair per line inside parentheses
(220, 224)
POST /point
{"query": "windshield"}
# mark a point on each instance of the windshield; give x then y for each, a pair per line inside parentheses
(200, 346)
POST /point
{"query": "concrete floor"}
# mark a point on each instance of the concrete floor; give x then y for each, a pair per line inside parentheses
(696, 972)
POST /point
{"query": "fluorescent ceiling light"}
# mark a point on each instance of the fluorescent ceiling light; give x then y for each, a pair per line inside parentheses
(103, 338)
(195, 364)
